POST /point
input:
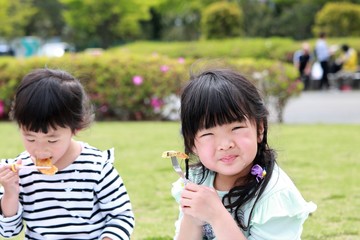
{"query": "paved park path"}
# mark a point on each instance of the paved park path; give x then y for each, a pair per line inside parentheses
(324, 107)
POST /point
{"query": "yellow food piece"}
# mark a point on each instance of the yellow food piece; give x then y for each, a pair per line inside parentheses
(168, 154)
(46, 162)
(13, 168)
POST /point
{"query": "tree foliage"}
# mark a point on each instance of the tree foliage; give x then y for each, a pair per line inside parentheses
(47, 21)
(14, 16)
(222, 20)
(104, 23)
(95, 23)
(179, 20)
(268, 18)
(338, 20)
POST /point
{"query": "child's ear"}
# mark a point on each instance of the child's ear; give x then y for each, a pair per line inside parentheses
(260, 132)
(74, 132)
(194, 150)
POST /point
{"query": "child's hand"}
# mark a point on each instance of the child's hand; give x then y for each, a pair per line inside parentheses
(9, 179)
(201, 202)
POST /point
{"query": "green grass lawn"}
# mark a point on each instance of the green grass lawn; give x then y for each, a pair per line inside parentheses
(323, 161)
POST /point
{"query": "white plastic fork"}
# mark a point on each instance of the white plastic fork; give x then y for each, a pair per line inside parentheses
(14, 167)
(178, 169)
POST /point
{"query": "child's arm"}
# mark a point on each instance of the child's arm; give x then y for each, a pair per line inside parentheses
(225, 227)
(10, 211)
(190, 228)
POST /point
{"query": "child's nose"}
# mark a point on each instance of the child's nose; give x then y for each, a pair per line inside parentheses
(41, 154)
(226, 143)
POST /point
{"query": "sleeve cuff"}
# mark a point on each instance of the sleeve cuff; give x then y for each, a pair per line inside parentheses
(10, 220)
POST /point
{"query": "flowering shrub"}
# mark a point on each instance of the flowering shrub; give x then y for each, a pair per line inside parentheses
(139, 87)
(276, 80)
(133, 87)
(279, 86)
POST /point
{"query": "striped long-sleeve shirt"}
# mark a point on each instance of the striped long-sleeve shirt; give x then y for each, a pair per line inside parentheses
(86, 200)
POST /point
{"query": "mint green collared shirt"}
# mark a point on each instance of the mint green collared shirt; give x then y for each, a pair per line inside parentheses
(279, 214)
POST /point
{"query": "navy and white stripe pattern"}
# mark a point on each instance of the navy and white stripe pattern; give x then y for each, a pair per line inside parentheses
(86, 200)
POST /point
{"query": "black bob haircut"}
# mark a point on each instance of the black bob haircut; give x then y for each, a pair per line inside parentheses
(49, 98)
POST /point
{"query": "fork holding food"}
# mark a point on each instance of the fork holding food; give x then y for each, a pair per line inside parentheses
(42, 168)
(175, 163)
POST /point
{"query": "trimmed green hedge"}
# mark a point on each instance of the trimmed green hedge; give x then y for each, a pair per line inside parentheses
(268, 48)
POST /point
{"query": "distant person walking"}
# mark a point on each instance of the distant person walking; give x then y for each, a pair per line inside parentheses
(302, 61)
(323, 55)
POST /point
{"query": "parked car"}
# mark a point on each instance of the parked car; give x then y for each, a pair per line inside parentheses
(55, 49)
(5, 49)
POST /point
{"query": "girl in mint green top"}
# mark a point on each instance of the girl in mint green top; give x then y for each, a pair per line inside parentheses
(235, 189)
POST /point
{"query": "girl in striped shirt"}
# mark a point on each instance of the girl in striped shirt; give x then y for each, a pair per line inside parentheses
(86, 197)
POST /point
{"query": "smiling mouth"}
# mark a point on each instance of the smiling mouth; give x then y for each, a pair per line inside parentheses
(228, 159)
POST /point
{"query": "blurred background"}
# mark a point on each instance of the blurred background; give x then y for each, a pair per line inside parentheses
(32, 27)
(134, 56)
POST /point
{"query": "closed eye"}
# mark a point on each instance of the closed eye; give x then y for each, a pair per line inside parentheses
(53, 141)
(238, 127)
(205, 134)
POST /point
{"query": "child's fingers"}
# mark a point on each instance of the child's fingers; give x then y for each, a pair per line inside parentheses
(185, 203)
(191, 187)
(188, 193)
(12, 167)
(7, 176)
(13, 178)
(4, 169)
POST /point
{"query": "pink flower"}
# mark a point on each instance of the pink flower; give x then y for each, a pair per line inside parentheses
(164, 68)
(137, 80)
(104, 108)
(181, 60)
(2, 108)
(156, 103)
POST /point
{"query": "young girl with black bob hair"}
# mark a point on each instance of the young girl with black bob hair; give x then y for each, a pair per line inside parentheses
(236, 190)
(84, 197)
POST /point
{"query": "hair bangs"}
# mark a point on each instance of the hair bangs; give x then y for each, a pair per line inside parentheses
(219, 108)
(38, 110)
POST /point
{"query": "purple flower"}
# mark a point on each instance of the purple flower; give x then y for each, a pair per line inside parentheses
(181, 60)
(258, 171)
(164, 68)
(137, 80)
